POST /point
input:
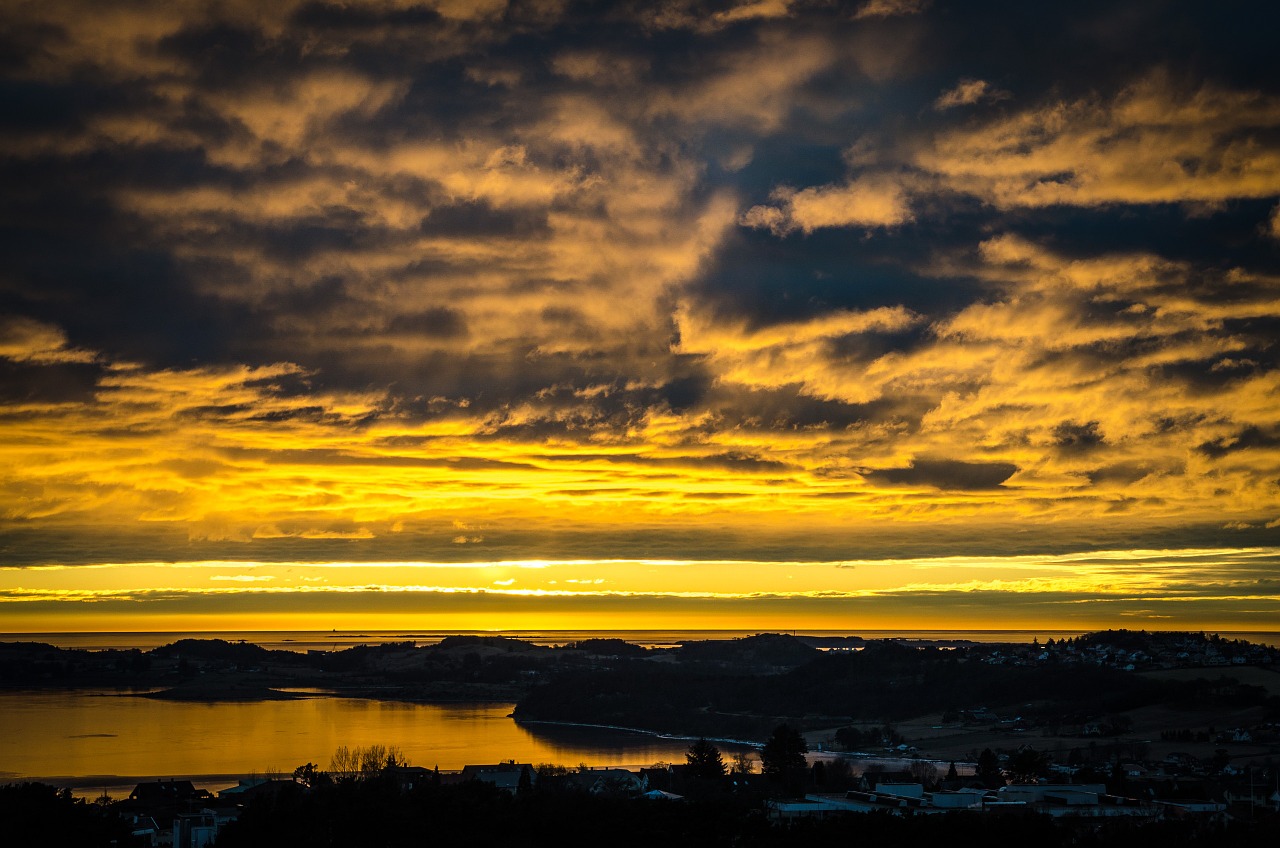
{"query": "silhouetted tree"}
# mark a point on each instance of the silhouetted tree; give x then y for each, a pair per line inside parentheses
(310, 775)
(1118, 781)
(819, 773)
(1028, 765)
(704, 761)
(989, 768)
(924, 772)
(525, 784)
(782, 757)
(364, 763)
(839, 774)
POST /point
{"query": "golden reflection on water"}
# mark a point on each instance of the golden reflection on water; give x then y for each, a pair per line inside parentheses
(79, 734)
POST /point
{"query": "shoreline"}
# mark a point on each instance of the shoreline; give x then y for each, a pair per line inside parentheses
(637, 730)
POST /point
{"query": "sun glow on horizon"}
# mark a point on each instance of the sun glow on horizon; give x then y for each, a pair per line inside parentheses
(1185, 588)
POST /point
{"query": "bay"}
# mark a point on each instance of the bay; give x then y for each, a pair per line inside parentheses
(100, 741)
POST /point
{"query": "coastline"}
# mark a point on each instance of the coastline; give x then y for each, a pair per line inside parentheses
(209, 695)
(636, 730)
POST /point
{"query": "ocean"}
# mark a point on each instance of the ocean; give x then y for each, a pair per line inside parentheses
(322, 640)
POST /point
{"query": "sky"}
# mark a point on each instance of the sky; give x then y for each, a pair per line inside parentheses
(492, 314)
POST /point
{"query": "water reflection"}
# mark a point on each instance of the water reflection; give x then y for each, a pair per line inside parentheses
(80, 734)
(611, 746)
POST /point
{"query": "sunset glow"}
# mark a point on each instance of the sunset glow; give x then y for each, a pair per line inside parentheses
(500, 315)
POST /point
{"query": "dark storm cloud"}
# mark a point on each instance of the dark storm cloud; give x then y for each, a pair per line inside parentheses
(729, 461)
(441, 322)
(1077, 437)
(1125, 473)
(1247, 439)
(785, 409)
(945, 474)
(22, 383)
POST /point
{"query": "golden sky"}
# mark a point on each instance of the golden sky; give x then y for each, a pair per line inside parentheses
(442, 314)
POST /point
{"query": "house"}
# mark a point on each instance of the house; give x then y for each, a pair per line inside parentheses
(143, 830)
(407, 778)
(905, 798)
(659, 795)
(606, 781)
(1183, 810)
(168, 792)
(1085, 800)
(1034, 792)
(871, 779)
(959, 799)
(154, 807)
(502, 775)
(194, 830)
(246, 789)
(815, 807)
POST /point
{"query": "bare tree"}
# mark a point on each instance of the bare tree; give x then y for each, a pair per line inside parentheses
(924, 771)
(364, 763)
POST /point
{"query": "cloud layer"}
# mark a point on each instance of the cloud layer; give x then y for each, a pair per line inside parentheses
(764, 281)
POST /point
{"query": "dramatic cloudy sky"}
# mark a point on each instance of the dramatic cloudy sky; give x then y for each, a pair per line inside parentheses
(476, 312)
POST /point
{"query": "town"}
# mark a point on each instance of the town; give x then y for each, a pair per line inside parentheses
(785, 799)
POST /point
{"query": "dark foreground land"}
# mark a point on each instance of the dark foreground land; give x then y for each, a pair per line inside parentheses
(377, 813)
(481, 815)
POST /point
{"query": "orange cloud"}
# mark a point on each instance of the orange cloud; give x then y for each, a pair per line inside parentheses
(1150, 143)
(890, 8)
(968, 92)
(30, 341)
(868, 202)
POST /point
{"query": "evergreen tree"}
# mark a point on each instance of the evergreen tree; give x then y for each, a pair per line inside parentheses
(989, 768)
(782, 757)
(704, 761)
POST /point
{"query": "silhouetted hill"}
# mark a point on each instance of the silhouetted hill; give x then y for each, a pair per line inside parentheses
(502, 643)
(28, 648)
(609, 648)
(765, 649)
(886, 681)
(218, 650)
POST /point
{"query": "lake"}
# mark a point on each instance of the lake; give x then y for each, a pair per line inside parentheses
(96, 741)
